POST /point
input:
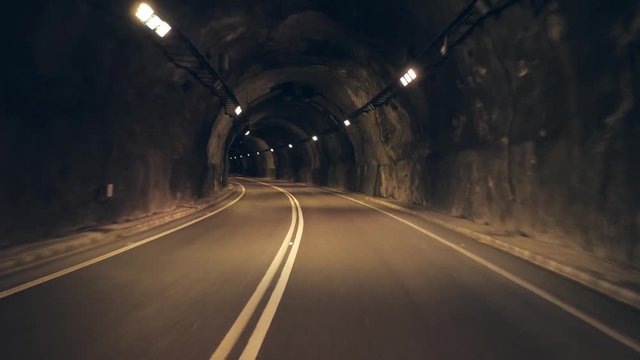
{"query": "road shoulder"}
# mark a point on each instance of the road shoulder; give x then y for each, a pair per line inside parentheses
(608, 278)
(20, 258)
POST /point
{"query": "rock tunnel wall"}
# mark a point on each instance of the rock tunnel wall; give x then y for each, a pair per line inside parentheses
(559, 98)
(88, 100)
(532, 127)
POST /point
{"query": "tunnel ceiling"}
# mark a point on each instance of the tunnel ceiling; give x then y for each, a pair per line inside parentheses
(309, 62)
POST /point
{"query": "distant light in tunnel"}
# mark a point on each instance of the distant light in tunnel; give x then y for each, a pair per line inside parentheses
(271, 149)
(240, 156)
(145, 13)
(238, 110)
(247, 132)
(315, 138)
(290, 146)
(408, 77)
(257, 152)
(347, 122)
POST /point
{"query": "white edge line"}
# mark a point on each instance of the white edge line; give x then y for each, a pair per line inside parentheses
(614, 334)
(257, 338)
(230, 339)
(84, 264)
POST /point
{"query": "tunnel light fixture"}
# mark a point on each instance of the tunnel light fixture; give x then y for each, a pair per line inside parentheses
(408, 77)
(240, 156)
(153, 22)
(347, 122)
(290, 146)
(271, 149)
(257, 152)
(146, 14)
(246, 133)
(238, 110)
(315, 138)
(163, 29)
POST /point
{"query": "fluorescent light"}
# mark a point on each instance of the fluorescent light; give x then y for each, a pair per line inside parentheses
(290, 146)
(238, 110)
(315, 138)
(163, 29)
(258, 152)
(271, 149)
(403, 81)
(153, 22)
(144, 12)
(412, 74)
(247, 132)
(408, 78)
(347, 122)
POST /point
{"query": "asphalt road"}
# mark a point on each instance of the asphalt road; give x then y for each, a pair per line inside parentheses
(312, 276)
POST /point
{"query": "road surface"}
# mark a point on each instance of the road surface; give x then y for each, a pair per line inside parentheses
(297, 272)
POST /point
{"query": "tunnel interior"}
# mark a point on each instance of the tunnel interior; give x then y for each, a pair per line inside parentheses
(530, 125)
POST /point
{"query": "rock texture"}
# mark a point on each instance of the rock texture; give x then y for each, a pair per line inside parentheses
(87, 101)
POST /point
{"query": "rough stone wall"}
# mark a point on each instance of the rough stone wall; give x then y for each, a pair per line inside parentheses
(87, 100)
(532, 126)
(546, 137)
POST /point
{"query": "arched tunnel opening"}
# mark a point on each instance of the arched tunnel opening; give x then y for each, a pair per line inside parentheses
(518, 119)
(300, 139)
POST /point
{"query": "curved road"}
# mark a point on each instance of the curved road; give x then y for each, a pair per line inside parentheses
(296, 272)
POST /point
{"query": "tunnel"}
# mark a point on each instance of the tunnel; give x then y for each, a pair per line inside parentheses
(523, 118)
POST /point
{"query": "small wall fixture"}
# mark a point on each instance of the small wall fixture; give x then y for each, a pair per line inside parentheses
(290, 146)
(109, 191)
(347, 122)
(315, 138)
(247, 132)
(146, 14)
(271, 149)
(238, 110)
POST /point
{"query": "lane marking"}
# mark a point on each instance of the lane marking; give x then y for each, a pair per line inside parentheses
(597, 324)
(82, 265)
(260, 332)
(230, 339)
